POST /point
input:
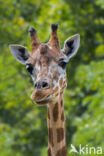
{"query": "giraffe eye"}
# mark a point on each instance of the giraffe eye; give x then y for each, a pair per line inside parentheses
(62, 63)
(29, 68)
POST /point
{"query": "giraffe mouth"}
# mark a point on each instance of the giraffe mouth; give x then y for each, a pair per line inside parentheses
(41, 97)
(44, 101)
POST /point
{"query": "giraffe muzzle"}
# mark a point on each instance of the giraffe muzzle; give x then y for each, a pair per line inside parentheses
(41, 96)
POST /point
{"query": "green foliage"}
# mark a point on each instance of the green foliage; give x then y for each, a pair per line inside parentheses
(23, 127)
(87, 105)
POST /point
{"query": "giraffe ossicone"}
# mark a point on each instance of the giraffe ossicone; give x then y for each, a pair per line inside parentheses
(47, 67)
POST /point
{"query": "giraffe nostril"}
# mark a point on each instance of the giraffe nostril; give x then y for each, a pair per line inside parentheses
(41, 84)
(44, 84)
(38, 85)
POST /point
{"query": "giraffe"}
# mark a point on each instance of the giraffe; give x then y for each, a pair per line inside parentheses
(47, 67)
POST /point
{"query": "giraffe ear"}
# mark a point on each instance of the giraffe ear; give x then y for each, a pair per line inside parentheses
(20, 53)
(71, 46)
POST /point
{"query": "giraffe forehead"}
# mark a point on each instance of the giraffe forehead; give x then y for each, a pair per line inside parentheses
(46, 51)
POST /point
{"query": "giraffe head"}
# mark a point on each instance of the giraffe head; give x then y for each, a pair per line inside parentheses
(47, 64)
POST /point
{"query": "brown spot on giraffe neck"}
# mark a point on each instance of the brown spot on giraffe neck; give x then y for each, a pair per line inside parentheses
(48, 113)
(60, 134)
(50, 134)
(55, 112)
(62, 152)
(49, 152)
(61, 103)
(62, 116)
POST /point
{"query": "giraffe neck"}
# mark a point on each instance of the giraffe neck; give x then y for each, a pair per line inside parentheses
(56, 128)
